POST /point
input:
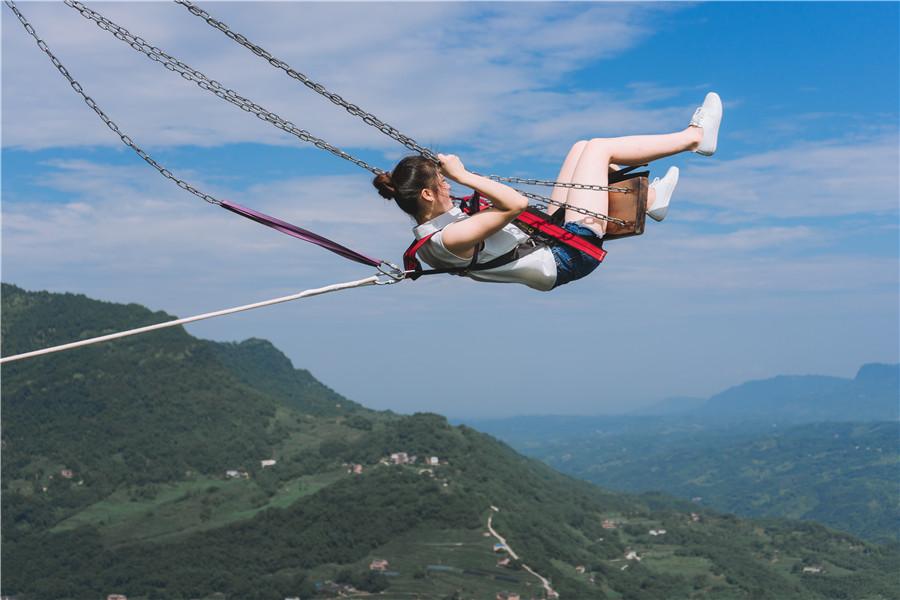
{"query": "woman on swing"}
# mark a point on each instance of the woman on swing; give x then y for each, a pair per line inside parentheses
(421, 189)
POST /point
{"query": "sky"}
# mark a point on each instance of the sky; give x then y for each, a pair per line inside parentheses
(779, 254)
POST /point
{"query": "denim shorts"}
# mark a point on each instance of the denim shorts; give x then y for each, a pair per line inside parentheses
(572, 264)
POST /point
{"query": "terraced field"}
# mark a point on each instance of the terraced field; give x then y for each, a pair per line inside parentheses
(189, 506)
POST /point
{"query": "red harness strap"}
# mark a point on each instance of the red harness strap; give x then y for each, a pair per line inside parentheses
(541, 224)
(410, 262)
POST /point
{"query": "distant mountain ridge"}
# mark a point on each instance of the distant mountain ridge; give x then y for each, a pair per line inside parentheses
(871, 396)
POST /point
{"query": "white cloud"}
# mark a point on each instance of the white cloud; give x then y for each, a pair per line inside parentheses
(751, 239)
(431, 69)
(807, 179)
(117, 211)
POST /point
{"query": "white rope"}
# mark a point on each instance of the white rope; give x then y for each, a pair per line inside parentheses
(304, 294)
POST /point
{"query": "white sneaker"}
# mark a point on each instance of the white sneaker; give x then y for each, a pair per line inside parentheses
(664, 188)
(708, 117)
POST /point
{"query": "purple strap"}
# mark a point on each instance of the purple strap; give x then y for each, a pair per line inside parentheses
(299, 233)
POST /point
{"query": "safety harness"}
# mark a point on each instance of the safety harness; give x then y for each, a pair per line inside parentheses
(543, 230)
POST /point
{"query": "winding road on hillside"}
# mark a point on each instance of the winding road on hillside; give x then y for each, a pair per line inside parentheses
(551, 593)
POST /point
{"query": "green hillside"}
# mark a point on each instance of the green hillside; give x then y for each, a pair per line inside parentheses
(149, 426)
(141, 410)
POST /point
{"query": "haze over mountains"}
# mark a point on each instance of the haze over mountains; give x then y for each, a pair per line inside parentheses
(164, 466)
(873, 395)
(811, 447)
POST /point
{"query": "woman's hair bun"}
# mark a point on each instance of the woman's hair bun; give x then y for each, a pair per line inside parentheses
(385, 186)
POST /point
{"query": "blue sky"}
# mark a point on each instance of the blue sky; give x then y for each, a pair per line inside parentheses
(779, 255)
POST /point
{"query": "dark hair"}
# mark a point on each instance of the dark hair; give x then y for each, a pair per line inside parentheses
(405, 183)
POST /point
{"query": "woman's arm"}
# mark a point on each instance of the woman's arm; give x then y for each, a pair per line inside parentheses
(461, 238)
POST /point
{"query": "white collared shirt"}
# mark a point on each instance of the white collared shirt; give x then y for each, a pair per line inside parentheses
(536, 269)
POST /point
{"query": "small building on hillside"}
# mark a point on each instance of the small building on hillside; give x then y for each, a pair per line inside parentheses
(814, 569)
(434, 461)
(67, 473)
(400, 458)
(657, 532)
(232, 474)
(579, 569)
(695, 517)
(116, 597)
(378, 564)
(508, 596)
(269, 462)
(632, 555)
(608, 524)
(498, 547)
(503, 563)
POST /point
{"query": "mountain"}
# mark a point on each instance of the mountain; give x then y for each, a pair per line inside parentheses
(871, 396)
(149, 407)
(257, 363)
(135, 467)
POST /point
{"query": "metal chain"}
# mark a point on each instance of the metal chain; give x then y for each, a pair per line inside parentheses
(109, 122)
(389, 273)
(544, 201)
(210, 85)
(542, 205)
(356, 111)
(574, 186)
(187, 72)
(353, 109)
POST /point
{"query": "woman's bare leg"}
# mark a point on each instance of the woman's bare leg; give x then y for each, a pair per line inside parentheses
(566, 172)
(593, 167)
(638, 149)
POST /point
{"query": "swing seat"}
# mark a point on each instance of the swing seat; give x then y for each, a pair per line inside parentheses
(630, 206)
